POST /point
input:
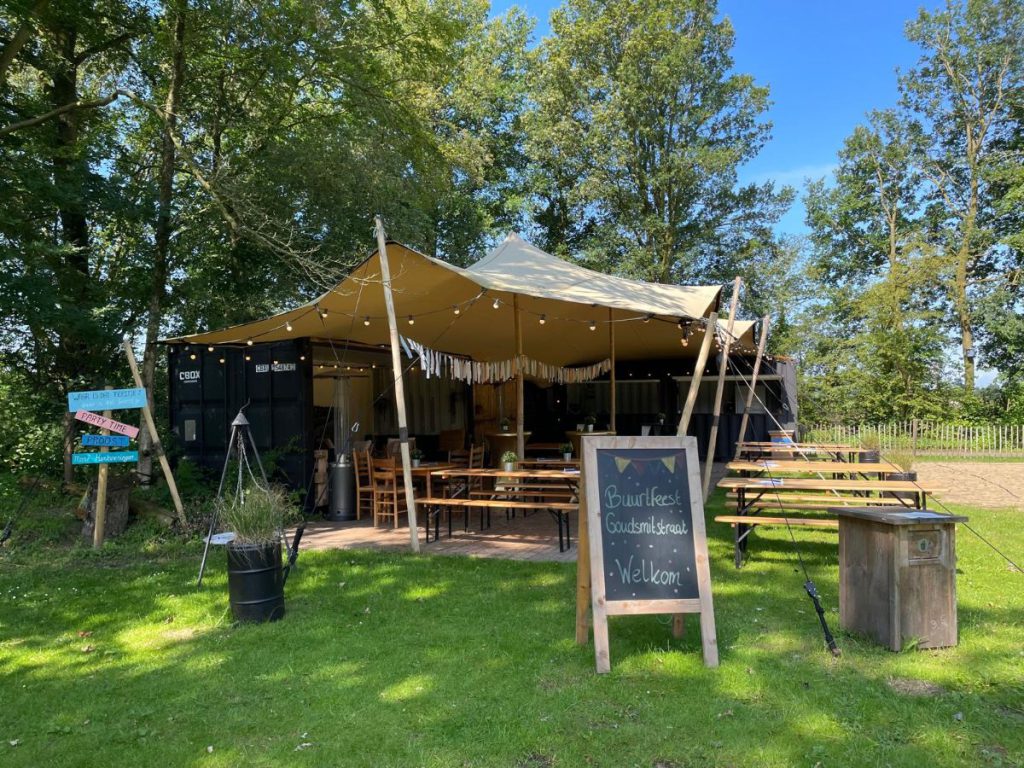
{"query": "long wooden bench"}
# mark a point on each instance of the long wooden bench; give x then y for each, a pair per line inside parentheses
(808, 522)
(559, 509)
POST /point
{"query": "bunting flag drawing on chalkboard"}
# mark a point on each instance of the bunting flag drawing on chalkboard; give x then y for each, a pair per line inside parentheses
(623, 463)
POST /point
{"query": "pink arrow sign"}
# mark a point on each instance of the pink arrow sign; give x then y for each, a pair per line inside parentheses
(104, 423)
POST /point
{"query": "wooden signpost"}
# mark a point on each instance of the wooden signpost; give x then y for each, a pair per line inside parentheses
(644, 536)
(83, 405)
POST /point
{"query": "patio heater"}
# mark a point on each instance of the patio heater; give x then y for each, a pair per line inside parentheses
(343, 493)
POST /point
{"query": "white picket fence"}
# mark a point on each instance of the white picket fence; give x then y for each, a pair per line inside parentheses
(926, 437)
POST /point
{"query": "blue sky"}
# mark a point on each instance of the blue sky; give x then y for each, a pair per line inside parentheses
(827, 64)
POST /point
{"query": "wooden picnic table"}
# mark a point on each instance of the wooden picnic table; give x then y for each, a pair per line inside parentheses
(425, 471)
(548, 463)
(515, 481)
(840, 452)
(753, 494)
(799, 466)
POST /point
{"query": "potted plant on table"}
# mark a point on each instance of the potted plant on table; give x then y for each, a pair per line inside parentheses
(508, 461)
(257, 516)
(590, 421)
(566, 449)
(505, 426)
(661, 418)
(901, 458)
(417, 456)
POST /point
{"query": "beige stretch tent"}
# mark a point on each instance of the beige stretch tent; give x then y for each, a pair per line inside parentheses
(453, 310)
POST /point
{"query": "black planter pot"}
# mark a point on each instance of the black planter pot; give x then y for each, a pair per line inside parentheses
(870, 457)
(905, 476)
(256, 582)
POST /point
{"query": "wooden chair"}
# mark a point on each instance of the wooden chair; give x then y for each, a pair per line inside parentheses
(363, 468)
(388, 496)
(394, 447)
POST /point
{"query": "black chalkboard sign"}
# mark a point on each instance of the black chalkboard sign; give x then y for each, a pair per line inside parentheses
(645, 537)
(646, 524)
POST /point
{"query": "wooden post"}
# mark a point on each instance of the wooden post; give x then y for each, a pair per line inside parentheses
(611, 354)
(520, 380)
(722, 369)
(678, 627)
(100, 517)
(582, 564)
(753, 379)
(155, 445)
(396, 364)
(698, 373)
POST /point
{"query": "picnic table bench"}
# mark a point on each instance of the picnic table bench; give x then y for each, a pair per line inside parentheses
(835, 451)
(528, 490)
(752, 495)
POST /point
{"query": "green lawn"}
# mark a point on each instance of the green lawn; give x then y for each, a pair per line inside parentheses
(397, 660)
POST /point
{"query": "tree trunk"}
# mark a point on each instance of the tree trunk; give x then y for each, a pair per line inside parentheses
(69, 177)
(162, 238)
(10, 51)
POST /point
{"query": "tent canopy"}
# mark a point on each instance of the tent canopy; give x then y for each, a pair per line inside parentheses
(470, 312)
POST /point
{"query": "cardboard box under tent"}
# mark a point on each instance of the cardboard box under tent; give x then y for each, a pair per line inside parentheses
(520, 336)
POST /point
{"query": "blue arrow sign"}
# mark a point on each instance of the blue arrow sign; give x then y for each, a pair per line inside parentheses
(117, 457)
(106, 399)
(109, 441)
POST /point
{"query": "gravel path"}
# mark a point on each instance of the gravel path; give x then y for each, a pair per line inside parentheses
(975, 484)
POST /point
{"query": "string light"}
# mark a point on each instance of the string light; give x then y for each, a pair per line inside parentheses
(593, 325)
(249, 341)
(412, 320)
(209, 349)
(323, 312)
(496, 304)
(647, 318)
(302, 357)
(248, 358)
(543, 319)
(366, 321)
(456, 309)
(288, 326)
(222, 361)
(192, 356)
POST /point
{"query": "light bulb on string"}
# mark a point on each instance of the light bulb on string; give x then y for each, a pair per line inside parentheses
(366, 321)
(412, 320)
(248, 341)
(593, 325)
(192, 356)
(323, 312)
(288, 326)
(248, 358)
(302, 357)
(456, 310)
(496, 304)
(543, 319)
(209, 349)
(221, 361)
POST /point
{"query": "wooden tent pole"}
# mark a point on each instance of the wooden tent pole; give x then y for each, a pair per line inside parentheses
(520, 381)
(684, 420)
(154, 438)
(753, 379)
(698, 373)
(611, 354)
(396, 365)
(722, 369)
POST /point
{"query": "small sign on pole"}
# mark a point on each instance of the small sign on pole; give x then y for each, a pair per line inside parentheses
(106, 399)
(107, 441)
(116, 457)
(645, 532)
(103, 422)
